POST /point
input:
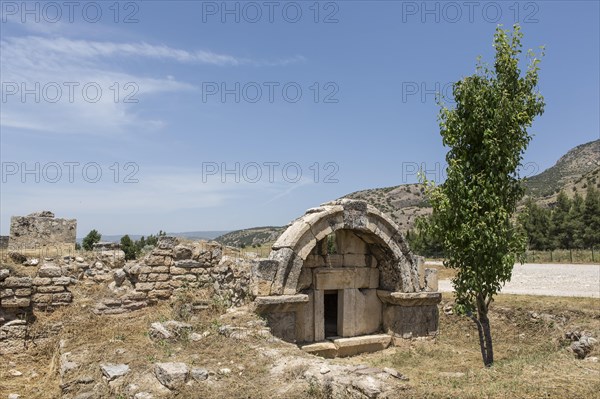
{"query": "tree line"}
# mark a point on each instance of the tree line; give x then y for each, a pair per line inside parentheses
(132, 248)
(571, 223)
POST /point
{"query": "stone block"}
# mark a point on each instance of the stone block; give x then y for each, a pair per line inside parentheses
(325, 349)
(414, 321)
(187, 264)
(144, 286)
(49, 270)
(62, 297)
(431, 280)
(185, 277)
(160, 294)
(409, 299)
(333, 279)
(181, 252)
(18, 282)
(319, 307)
(367, 343)
(23, 291)
(152, 277)
(15, 302)
(7, 293)
(61, 280)
(305, 281)
(43, 289)
(42, 281)
(355, 260)
(305, 322)
(283, 325)
(154, 260)
(42, 298)
(163, 285)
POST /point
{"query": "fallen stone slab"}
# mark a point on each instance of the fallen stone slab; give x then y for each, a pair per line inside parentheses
(112, 371)
(172, 375)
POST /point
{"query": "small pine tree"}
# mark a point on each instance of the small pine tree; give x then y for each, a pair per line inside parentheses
(129, 247)
(89, 240)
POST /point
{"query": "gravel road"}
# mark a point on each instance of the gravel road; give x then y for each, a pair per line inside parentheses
(549, 279)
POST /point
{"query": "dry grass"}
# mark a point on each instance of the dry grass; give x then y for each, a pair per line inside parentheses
(531, 356)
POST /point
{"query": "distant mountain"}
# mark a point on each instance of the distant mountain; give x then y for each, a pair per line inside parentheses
(190, 235)
(572, 173)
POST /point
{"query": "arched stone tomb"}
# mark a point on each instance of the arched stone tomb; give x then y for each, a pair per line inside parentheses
(341, 280)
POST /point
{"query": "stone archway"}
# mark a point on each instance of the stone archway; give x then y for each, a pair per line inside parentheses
(367, 285)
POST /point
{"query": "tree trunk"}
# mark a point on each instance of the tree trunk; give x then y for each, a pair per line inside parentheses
(485, 335)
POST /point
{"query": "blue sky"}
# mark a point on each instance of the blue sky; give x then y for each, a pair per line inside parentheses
(162, 98)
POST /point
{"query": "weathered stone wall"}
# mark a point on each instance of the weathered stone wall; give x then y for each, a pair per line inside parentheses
(3, 242)
(41, 229)
(20, 296)
(172, 267)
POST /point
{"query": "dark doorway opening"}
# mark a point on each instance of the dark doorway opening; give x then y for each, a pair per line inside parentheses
(331, 313)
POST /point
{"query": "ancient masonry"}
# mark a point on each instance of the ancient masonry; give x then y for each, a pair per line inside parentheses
(41, 229)
(19, 296)
(339, 281)
(365, 295)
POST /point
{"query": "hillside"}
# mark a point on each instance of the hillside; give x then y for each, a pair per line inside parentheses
(252, 236)
(576, 169)
(571, 169)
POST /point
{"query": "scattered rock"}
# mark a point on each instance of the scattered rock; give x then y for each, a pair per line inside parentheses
(224, 371)
(171, 329)
(368, 386)
(66, 365)
(584, 346)
(4, 273)
(31, 262)
(448, 309)
(395, 373)
(112, 371)
(14, 373)
(324, 370)
(199, 374)
(119, 276)
(591, 359)
(14, 396)
(171, 375)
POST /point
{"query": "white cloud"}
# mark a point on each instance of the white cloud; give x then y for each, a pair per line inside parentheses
(58, 70)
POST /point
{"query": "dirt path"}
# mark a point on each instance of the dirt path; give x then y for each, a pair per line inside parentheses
(549, 279)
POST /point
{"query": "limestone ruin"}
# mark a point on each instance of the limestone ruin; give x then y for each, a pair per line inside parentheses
(341, 280)
(42, 230)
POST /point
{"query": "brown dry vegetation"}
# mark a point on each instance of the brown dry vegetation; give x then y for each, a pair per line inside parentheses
(531, 356)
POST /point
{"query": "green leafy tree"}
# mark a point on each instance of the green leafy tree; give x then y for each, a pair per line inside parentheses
(422, 241)
(129, 247)
(535, 220)
(89, 240)
(575, 228)
(591, 217)
(486, 133)
(560, 221)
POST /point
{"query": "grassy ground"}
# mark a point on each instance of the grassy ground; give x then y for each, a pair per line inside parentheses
(531, 359)
(531, 356)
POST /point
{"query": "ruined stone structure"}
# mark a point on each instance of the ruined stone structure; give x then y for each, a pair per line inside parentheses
(20, 296)
(42, 230)
(343, 270)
